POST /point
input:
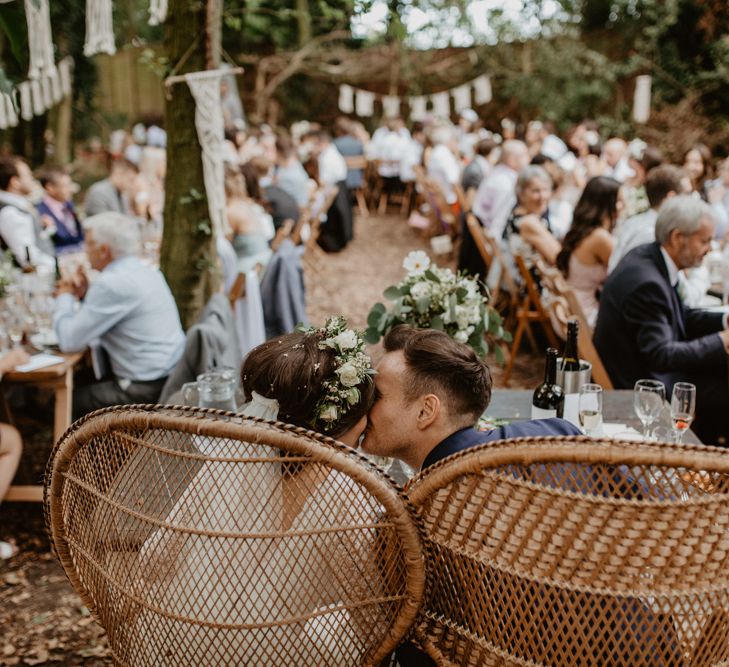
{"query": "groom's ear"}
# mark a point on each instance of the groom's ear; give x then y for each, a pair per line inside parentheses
(429, 411)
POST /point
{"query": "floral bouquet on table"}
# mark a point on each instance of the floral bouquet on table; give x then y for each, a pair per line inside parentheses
(430, 297)
(7, 271)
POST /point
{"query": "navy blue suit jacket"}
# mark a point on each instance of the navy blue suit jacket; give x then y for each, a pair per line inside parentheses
(63, 237)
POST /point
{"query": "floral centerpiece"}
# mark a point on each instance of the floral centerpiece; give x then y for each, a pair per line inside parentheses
(431, 297)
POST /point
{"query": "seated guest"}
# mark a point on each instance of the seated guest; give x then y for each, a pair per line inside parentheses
(112, 193)
(443, 165)
(479, 167)
(642, 158)
(250, 226)
(129, 309)
(643, 329)
(349, 146)
(528, 228)
(289, 174)
(21, 230)
(430, 392)
(588, 244)
(660, 184)
(412, 152)
(58, 207)
(11, 445)
(275, 200)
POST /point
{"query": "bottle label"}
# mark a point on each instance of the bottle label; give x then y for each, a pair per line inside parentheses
(541, 413)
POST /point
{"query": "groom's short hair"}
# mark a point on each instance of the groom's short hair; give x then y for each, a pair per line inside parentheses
(437, 364)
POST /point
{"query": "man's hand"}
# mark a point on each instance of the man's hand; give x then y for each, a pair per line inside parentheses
(77, 285)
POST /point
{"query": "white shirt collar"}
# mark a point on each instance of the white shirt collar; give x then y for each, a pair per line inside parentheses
(671, 266)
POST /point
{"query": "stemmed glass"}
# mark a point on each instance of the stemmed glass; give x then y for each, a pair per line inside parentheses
(683, 407)
(590, 407)
(648, 397)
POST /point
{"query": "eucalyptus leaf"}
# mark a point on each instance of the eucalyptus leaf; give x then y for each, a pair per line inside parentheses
(499, 354)
(371, 335)
(431, 275)
(422, 304)
(393, 292)
(437, 323)
(375, 315)
(507, 337)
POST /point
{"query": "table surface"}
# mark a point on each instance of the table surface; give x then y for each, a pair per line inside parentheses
(70, 360)
(515, 404)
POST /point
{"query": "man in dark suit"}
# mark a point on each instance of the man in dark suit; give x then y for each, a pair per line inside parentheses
(644, 330)
(430, 391)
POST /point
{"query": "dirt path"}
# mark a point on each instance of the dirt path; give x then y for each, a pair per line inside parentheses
(42, 620)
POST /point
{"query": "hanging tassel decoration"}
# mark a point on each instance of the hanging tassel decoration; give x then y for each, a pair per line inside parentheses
(642, 99)
(56, 92)
(441, 105)
(99, 28)
(3, 112)
(482, 90)
(64, 74)
(418, 107)
(157, 12)
(364, 103)
(45, 83)
(26, 105)
(10, 111)
(391, 106)
(40, 39)
(36, 94)
(462, 98)
(346, 99)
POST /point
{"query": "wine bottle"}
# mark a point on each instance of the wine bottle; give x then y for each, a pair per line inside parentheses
(29, 266)
(548, 399)
(570, 356)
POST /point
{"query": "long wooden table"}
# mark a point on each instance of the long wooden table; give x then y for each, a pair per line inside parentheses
(59, 378)
(515, 404)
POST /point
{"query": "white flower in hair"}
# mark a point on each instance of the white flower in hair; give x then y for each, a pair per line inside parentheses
(346, 340)
(416, 262)
(329, 413)
(348, 375)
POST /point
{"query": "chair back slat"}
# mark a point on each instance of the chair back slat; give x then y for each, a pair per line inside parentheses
(203, 537)
(556, 552)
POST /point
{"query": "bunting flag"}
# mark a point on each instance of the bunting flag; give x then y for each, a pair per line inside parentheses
(391, 106)
(441, 104)
(346, 99)
(205, 88)
(40, 39)
(26, 106)
(361, 102)
(461, 98)
(418, 107)
(482, 90)
(99, 28)
(642, 99)
(10, 110)
(4, 121)
(36, 95)
(364, 103)
(157, 12)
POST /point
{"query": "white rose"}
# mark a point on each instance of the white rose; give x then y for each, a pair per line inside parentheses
(462, 317)
(329, 414)
(346, 340)
(348, 375)
(420, 290)
(416, 262)
(461, 336)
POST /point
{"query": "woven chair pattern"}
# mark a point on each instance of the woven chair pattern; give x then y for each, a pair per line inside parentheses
(573, 551)
(203, 538)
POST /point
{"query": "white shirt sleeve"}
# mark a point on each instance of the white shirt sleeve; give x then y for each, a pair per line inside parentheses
(17, 231)
(99, 312)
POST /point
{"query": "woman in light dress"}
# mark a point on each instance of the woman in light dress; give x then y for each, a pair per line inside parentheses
(588, 244)
(320, 379)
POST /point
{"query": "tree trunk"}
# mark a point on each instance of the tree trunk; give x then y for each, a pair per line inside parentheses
(188, 255)
(303, 20)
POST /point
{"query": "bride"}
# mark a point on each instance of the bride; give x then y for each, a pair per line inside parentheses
(280, 586)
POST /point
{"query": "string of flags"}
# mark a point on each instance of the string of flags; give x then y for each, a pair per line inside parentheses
(362, 102)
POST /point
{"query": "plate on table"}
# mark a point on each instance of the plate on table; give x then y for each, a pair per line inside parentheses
(44, 339)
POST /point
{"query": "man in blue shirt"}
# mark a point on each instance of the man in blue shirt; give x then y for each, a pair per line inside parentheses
(128, 309)
(430, 391)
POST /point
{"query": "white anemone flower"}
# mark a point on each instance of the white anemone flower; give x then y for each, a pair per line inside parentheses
(416, 262)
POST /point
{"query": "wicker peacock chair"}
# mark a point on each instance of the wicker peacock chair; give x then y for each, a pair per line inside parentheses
(568, 552)
(198, 537)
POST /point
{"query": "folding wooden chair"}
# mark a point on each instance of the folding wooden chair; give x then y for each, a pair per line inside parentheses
(530, 311)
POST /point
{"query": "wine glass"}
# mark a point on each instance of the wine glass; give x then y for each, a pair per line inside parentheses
(683, 407)
(590, 408)
(648, 397)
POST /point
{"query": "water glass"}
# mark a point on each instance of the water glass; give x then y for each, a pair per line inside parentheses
(214, 389)
(648, 397)
(683, 408)
(590, 408)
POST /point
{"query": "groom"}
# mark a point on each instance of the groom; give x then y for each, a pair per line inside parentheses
(430, 391)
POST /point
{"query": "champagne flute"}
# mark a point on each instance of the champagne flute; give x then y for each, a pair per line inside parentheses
(590, 408)
(683, 407)
(648, 397)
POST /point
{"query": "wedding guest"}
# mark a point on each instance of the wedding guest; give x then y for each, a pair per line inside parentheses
(660, 184)
(643, 329)
(112, 193)
(587, 247)
(58, 206)
(528, 227)
(443, 166)
(697, 163)
(479, 167)
(11, 446)
(349, 146)
(289, 173)
(495, 196)
(21, 230)
(412, 152)
(615, 159)
(129, 309)
(642, 158)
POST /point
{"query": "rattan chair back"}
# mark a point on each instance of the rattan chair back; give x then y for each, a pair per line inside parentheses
(200, 537)
(576, 552)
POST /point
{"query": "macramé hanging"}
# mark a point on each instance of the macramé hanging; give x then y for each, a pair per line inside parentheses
(205, 88)
(99, 28)
(40, 40)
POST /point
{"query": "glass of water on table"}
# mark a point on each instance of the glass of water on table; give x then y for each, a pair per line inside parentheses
(648, 397)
